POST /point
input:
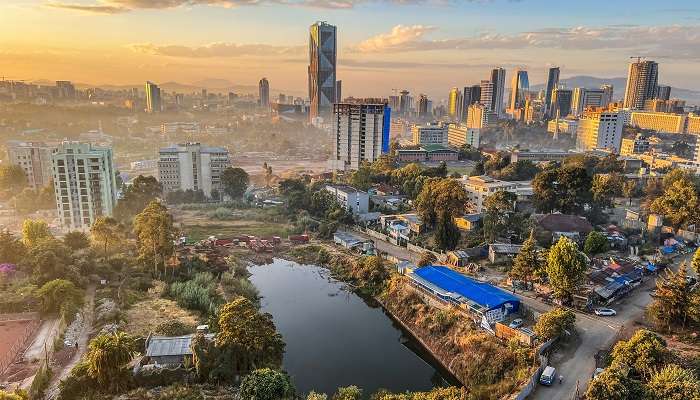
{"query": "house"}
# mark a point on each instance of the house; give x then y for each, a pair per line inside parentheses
(479, 188)
(356, 201)
(468, 222)
(170, 350)
(347, 240)
(503, 252)
(550, 227)
(457, 258)
(413, 221)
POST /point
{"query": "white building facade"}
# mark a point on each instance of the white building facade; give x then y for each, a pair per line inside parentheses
(35, 160)
(360, 132)
(192, 166)
(600, 130)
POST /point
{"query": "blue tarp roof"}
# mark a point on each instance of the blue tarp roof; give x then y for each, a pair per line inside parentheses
(484, 294)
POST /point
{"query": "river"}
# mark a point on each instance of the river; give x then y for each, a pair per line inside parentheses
(335, 338)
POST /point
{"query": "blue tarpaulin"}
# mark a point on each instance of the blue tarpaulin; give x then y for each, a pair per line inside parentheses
(667, 249)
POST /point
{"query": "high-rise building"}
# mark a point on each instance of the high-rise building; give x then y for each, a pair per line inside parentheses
(520, 86)
(642, 80)
(487, 93)
(459, 135)
(552, 84)
(35, 160)
(470, 95)
(338, 91)
(264, 93)
(454, 103)
(405, 102)
(600, 130)
(498, 78)
(561, 102)
(85, 183)
(423, 106)
(322, 72)
(663, 92)
(479, 116)
(191, 166)
(153, 101)
(608, 91)
(360, 133)
(583, 98)
(65, 90)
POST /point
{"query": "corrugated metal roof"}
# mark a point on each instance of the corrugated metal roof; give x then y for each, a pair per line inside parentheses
(171, 345)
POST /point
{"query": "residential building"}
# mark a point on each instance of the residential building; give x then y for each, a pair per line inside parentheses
(192, 166)
(600, 130)
(642, 81)
(503, 252)
(429, 134)
(360, 133)
(356, 201)
(638, 145)
(692, 125)
(498, 78)
(470, 95)
(565, 125)
(548, 228)
(35, 160)
(520, 86)
(322, 68)
(454, 104)
(657, 121)
(65, 90)
(85, 184)
(153, 99)
(487, 91)
(189, 128)
(478, 188)
(552, 84)
(459, 135)
(264, 93)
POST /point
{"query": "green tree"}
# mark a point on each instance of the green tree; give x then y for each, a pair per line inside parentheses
(674, 303)
(76, 240)
(136, 196)
(107, 356)
(51, 259)
(695, 263)
(267, 384)
(679, 204)
(316, 396)
(555, 323)
(155, 234)
(35, 231)
(644, 353)
(446, 234)
(348, 393)
(235, 182)
(630, 190)
(478, 169)
(595, 243)
(12, 250)
(605, 187)
(673, 383)
(566, 268)
(362, 178)
(527, 262)
(426, 258)
(545, 196)
(16, 395)
(614, 384)
(108, 231)
(59, 295)
(12, 178)
(438, 196)
(500, 217)
(574, 189)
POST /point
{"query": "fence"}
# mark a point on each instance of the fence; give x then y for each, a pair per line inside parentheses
(20, 344)
(19, 316)
(535, 378)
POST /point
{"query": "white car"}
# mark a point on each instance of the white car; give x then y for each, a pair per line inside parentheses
(517, 323)
(605, 312)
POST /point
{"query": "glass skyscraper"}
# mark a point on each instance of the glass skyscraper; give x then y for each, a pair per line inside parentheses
(322, 62)
(520, 86)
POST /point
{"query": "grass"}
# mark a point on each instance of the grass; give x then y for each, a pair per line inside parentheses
(199, 232)
(143, 317)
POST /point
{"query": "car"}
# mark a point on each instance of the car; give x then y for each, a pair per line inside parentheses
(517, 323)
(548, 376)
(597, 372)
(605, 312)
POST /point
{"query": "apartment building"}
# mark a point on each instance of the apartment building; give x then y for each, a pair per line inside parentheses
(600, 130)
(350, 198)
(479, 188)
(360, 132)
(84, 182)
(460, 135)
(35, 160)
(657, 121)
(192, 166)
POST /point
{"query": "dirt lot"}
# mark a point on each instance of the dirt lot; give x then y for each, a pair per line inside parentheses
(10, 333)
(196, 225)
(144, 316)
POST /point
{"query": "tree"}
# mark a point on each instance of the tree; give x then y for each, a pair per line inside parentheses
(34, 232)
(12, 249)
(555, 323)
(673, 383)
(644, 353)
(574, 189)
(426, 258)
(500, 217)
(679, 204)
(51, 259)
(362, 178)
(16, 395)
(235, 182)
(136, 196)
(545, 196)
(438, 196)
(695, 264)
(59, 295)
(248, 338)
(12, 178)
(107, 356)
(566, 268)
(155, 234)
(76, 240)
(348, 393)
(478, 169)
(630, 190)
(527, 262)
(614, 384)
(595, 243)
(446, 234)
(267, 384)
(605, 187)
(267, 169)
(106, 230)
(316, 396)
(673, 302)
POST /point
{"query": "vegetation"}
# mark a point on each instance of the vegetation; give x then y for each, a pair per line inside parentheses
(595, 243)
(60, 296)
(235, 182)
(438, 197)
(555, 323)
(267, 384)
(566, 268)
(198, 293)
(566, 189)
(680, 201)
(35, 231)
(674, 304)
(155, 234)
(528, 263)
(500, 217)
(76, 240)
(108, 231)
(136, 196)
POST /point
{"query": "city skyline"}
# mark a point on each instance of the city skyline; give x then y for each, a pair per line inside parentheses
(381, 45)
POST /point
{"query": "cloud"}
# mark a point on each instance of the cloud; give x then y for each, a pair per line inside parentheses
(123, 6)
(653, 41)
(216, 50)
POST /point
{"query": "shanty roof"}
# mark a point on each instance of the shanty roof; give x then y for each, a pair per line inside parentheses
(563, 223)
(157, 346)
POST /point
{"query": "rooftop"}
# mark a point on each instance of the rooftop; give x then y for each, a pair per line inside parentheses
(157, 346)
(563, 223)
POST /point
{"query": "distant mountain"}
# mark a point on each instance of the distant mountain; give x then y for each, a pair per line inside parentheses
(592, 82)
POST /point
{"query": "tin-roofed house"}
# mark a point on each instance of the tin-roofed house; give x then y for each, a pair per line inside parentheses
(170, 350)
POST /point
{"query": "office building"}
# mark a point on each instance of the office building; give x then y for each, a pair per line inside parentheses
(479, 116)
(608, 91)
(264, 93)
(85, 184)
(191, 166)
(583, 98)
(520, 86)
(470, 95)
(561, 102)
(552, 84)
(35, 160)
(322, 71)
(153, 99)
(659, 121)
(454, 104)
(486, 96)
(479, 188)
(423, 106)
(405, 102)
(663, 92)
(564, 125)
(459, 135)
(65, 90)
(642, 81)
(692, 126)
(338, 91)
(429, 134)
(498, 78)
(360, 133)
(638, 145)
(600, 130)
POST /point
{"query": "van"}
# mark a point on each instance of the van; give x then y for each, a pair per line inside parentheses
(548, 376)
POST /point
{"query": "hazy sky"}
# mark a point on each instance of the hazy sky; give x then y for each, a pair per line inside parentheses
(423, 45)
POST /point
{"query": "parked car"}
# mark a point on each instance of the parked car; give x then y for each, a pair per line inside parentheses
(517, 323)
(597, 372)
(548, 376)
(605, 312)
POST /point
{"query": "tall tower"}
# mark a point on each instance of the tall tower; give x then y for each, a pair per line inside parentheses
(454, 103)
(552, 83)
(498, 79)
(322, 76)
(470, 95)
(153, 102)
(642, 80)
(264, 93)
(520, 85)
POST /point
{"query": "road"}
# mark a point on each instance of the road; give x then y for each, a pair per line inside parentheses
(399, 252)
(577, 362)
